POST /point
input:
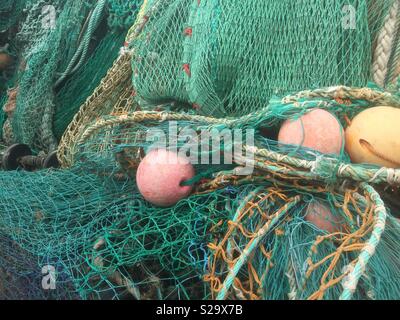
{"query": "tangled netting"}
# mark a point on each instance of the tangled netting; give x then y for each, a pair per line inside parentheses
(22, 278)
(147, 39)
(75, 91)
(240, 234)
(345, 103)
(114, 95)
(235, 237)
(208, 55)
(10, 11)
(64, 50)
(50, 40)
(122, 14)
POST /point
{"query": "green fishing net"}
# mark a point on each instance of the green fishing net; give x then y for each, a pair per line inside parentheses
(47, 54)
(65, 50)
(122, 14)
(113, 244)
(235, 236)
(10, 12)
(78, 87)
(229, 58)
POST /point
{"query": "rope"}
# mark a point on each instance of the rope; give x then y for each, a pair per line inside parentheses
(48, 138)
(268, 160)
(384, 48)
(292, 295)
(81, 53)
(394, 69)
(351, 281)
(253, 244)
(342, 92)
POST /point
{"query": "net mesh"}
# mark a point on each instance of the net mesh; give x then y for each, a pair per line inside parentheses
(10, 11)
(69, 46)
(21, 277)
(114, 95)
(81, 85)
(122, 14)
(251, 229)
(234, 237)
(57, 41)
(207, 54)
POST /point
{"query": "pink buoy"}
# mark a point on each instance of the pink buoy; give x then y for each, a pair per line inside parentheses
(318, 130)
(322, 217)
(160, 175)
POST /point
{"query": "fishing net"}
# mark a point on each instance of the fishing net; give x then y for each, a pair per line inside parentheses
(240, 234)
(121, 16)
(208, 55)
(70, 46)
(235, 237)
(10, 11)
(344, 102)
(21, 277)
(76, 90)
(114, 95)
(164, 73)
(53, 50)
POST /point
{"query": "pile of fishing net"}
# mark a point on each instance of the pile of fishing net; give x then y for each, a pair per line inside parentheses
(235, 237)
(200, 67)
(63, 50)
(22, 278)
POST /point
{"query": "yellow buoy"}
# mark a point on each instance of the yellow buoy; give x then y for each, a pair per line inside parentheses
(374, 137)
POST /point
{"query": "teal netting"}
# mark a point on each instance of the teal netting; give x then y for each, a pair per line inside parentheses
(71, 52)
(234, 237)
(10, 12)
(229, 58)
(122, 14)
(75, 91)
(51, 53)
(113, 244)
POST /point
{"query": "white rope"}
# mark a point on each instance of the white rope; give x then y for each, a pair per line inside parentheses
(292, 295)
(384, 47)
